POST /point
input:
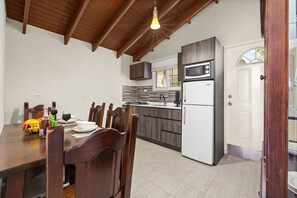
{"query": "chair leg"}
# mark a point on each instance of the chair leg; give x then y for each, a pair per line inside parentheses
(69, 174)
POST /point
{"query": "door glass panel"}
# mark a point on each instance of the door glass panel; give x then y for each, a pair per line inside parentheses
(292, 108)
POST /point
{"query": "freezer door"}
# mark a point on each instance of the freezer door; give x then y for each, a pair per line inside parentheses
(198, 133)
(198, 92)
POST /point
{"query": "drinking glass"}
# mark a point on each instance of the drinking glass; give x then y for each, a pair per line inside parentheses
(66, 115)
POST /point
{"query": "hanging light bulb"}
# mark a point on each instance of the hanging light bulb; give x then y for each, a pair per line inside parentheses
(155, 22)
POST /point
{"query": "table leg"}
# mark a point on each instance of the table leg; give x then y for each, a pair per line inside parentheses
(15, 185)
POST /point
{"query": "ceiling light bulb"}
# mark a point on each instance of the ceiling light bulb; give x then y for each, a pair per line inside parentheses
(155, 22)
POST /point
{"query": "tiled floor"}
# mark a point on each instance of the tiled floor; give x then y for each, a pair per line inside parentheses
(163, 173)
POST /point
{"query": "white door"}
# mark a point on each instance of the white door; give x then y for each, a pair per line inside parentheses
(244, 99)
(198, 92)
(198, 134)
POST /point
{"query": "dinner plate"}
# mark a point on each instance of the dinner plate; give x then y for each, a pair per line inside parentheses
(72, 120)
(77, 129)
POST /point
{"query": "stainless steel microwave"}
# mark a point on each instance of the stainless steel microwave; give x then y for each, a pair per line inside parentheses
(199, 71)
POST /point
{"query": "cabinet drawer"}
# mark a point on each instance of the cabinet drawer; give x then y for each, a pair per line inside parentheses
(172, 114)
(171, 139)
(151, 112)
(171, 126)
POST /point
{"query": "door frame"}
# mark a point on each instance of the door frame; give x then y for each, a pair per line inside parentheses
(276, 98)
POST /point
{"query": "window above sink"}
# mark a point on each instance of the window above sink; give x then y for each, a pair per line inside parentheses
(165, 74)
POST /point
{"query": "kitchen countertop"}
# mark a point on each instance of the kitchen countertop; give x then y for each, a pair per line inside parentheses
(157, 105)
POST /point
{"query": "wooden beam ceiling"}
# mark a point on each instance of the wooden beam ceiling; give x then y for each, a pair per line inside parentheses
(167, 8)
(178, 22)
(76, 18)
(119, 25)
(26, 15)
(112, 23)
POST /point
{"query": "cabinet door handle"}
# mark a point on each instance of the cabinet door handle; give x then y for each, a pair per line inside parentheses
(184, 115)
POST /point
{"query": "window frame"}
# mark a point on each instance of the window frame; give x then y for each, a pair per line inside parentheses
(252, 63)
(166, 63)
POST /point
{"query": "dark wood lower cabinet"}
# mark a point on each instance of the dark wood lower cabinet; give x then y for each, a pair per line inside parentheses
(171, 138)
(159, 125)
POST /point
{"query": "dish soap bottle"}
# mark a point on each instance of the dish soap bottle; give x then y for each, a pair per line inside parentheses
(45, 123)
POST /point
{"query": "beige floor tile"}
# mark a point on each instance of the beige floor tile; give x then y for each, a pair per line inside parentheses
(160, 171)
(217, 190)
(149, 190)
(207, 171)
(178, 172)
(187, 163)
(147, 171)
(231, 178)
(137, 181)
(165, 182)
(197, 181)
(186, 191)
(249, 188)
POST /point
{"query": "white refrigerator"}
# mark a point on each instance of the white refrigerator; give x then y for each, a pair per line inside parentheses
(198, 121)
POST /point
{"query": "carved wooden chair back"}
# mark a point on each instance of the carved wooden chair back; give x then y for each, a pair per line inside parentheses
(118, 118)
(96, 114)
(102, 163)
(35, 112)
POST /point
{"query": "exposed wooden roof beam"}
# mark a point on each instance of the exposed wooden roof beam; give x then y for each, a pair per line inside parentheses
(165, 9)
(126, 5)
(184, 18)
(75, 19)
(26, 15)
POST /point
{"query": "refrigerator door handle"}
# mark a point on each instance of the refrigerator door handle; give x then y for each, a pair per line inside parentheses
(184, 115)
(184, 92)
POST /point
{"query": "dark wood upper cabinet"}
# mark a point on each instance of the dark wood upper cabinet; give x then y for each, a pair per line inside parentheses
(199, 51)
(141, 71)
(180, 67)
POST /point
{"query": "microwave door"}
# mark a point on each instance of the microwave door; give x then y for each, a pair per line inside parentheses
(197, 71)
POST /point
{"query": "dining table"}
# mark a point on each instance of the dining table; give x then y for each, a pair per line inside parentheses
(22, 157)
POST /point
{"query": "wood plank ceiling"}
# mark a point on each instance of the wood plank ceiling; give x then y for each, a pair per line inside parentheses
(119, 25)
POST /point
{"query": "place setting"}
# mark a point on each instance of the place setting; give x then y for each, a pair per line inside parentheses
(75, 127)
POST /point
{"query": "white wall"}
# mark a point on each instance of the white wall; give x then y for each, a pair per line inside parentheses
(2, 43)
(231, 21)
(72, 75)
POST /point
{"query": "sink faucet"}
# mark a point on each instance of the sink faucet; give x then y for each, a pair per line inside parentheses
(162, 96)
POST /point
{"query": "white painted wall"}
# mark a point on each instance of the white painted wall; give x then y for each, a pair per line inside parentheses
(72, 75)
(2, 43)
(231, 21)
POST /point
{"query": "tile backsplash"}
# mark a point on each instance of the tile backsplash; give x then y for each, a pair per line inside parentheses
(145, 94)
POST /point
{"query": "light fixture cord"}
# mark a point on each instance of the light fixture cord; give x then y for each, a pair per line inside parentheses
(155, 3)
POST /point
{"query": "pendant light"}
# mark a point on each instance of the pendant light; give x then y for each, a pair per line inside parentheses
(155, 22)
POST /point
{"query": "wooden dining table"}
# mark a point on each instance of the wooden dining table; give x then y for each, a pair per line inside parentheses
(22, 156)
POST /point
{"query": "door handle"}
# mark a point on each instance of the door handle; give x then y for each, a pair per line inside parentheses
(262, 77)
(184, 115)
(230, 103)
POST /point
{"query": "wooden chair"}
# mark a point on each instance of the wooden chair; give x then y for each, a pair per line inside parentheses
(102, 163)
(96, 113)
(118, 118)
(36, 112)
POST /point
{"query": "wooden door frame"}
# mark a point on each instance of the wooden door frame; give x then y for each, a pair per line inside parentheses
(276, 98)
